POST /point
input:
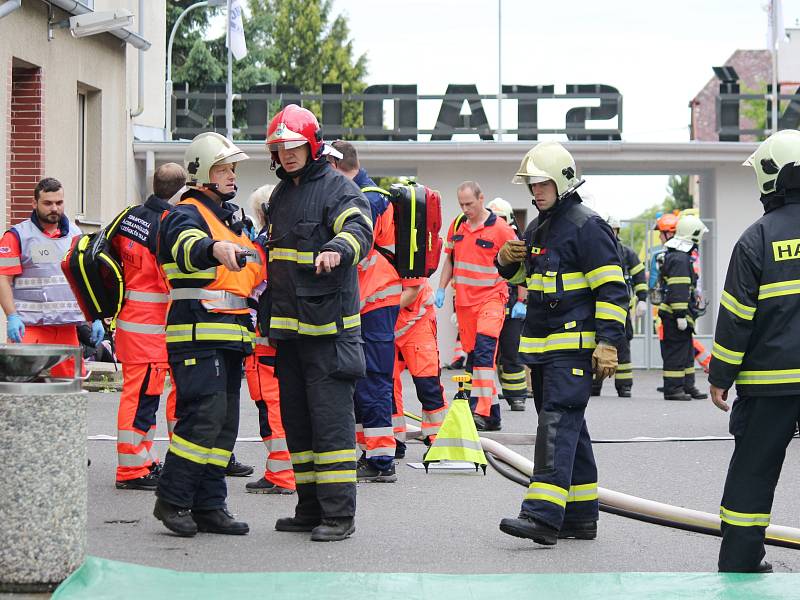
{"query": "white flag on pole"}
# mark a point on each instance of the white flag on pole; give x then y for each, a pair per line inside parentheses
(776, 32)
(236, 41)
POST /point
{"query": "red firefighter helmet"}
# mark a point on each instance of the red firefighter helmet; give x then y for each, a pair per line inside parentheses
(667, 223)
(294, 126)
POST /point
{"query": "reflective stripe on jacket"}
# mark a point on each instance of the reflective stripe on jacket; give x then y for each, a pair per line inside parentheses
(378, 281)
(42, 295)
(323, 211)
(141, 324)
(577, 294)
(209, 307)
(475, 277)
(757, 338)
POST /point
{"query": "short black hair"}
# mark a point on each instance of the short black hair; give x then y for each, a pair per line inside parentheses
(349, 160)
(48, 184)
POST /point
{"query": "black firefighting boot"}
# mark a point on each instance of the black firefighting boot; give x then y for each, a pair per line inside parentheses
(696, 394)
(175, 518)
(517, 404)
(296, 524)
(399, 449)
(219, 520)
(333, 529)
(763, 567)
(676, 394)
(580, 530)
(485, 423)
(525, 526)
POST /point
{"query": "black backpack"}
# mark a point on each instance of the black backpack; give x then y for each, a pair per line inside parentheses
(94, 273)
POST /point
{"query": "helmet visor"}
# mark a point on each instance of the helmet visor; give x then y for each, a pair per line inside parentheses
(233, 158)
(285, 144)
(529, 179)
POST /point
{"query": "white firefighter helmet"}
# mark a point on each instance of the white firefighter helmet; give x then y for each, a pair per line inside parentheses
(779, 149)
(502, 208)
(547, 160)
(690, 228)
(206, 150)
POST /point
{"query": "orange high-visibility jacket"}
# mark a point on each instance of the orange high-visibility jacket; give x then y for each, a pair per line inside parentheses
(141, 334)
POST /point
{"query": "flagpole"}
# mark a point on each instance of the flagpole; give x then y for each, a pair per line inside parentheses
(229, 82)
(774, 13)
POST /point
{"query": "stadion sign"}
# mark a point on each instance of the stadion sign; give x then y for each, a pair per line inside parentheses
(197, 111)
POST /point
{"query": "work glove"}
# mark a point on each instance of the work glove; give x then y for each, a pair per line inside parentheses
(98, 333)
(682, 323)
(513, 251)
(438, 299)
(15, 327)
(454, 319)
(641, 308)
(604, 361)
(519, 310)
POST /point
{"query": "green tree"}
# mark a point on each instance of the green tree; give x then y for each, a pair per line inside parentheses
(200, 67)
(678, 193)
(288, 41)
(191, 29)
(310, 51)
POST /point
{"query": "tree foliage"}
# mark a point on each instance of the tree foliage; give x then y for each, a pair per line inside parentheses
(190, 30)
(678, 193)
(288, 41)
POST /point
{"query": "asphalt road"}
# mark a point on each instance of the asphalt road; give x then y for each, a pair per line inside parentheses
(448, 522)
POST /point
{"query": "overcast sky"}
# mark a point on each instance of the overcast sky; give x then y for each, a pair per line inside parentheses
(658, 54)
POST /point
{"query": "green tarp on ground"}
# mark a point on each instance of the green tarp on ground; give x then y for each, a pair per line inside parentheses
(100, 579)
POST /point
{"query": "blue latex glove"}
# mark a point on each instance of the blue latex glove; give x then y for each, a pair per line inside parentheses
(438, 299)
(98, 333)
(519, 310)
(16, 328)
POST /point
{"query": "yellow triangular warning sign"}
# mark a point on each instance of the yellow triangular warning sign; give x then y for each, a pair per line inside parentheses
(458, 438)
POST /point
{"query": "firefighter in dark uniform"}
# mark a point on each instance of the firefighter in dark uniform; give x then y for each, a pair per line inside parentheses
(633, 271)
(577, 306)
(757, 346)
(678, 310)
(512, 376)
(211, 268)
(318, 230)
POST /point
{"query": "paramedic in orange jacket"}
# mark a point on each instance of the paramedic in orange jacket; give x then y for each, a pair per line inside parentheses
(481, 295)
(259, 369)
(417, 349)
(212, 268)
(34, 294)
(379, 290)
(140, 338)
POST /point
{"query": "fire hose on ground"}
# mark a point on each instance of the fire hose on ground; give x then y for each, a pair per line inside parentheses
(518, 469)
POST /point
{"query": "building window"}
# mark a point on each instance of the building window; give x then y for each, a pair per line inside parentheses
(88, 155)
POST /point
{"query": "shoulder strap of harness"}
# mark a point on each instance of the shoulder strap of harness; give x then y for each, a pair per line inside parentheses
(374, 188)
